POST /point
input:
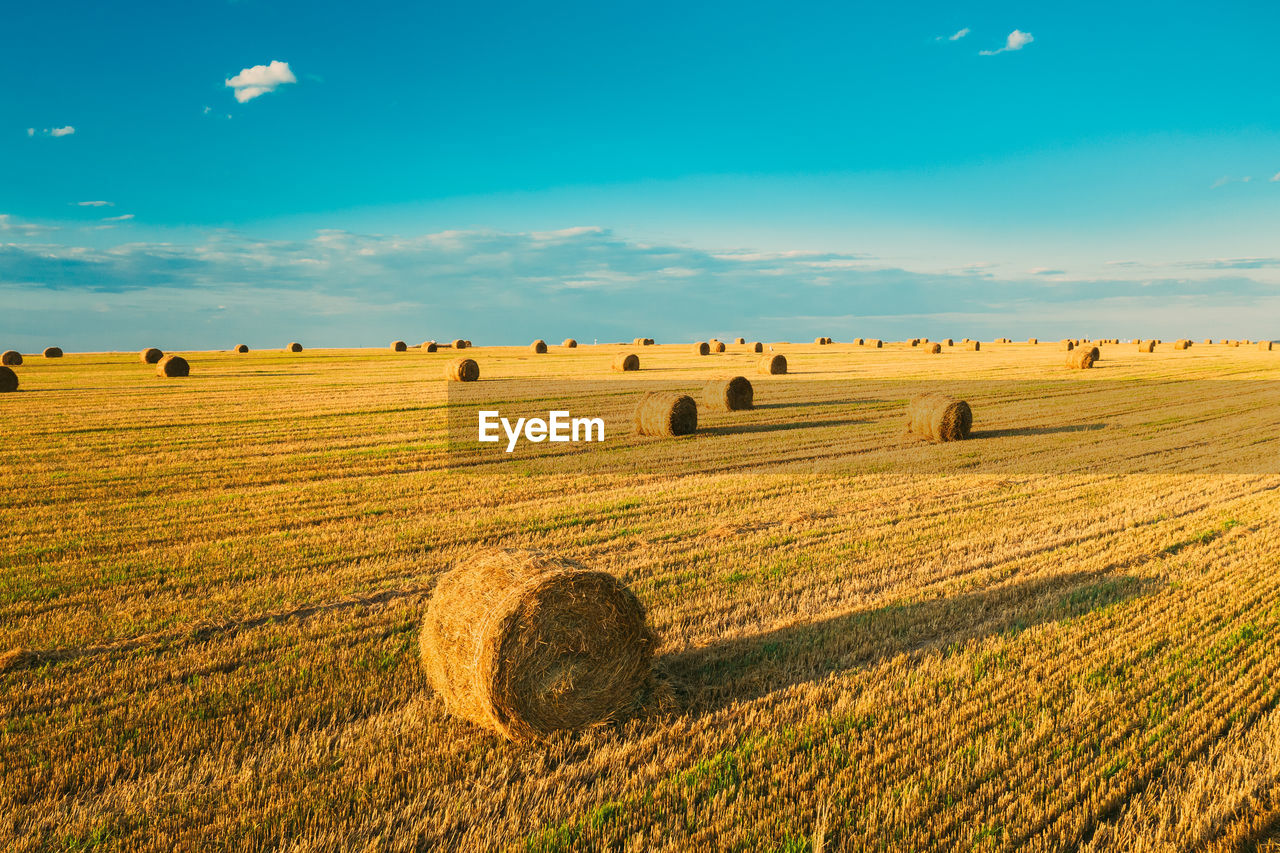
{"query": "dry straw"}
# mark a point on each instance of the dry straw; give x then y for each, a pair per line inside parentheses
(820, 341)
(773, 364)
(756, 346)
(295, 347)
(701, 348)
(739, 340)
(938, 417)
(1082, 358)
(242, 348)
(648, 342)
(11, 358)
(399, 346)
(569, 343)
(626, 361)
(663, 413)
(875, 342)
(1265, 346)
(973, 345)
(1147, 346)
(859, 341)
(933, 349)
(151, 355)
(538, 346)
(717, 346)
(1068, 345)
(8, 380)
(53, 352)
(528, 645)
(459, 343)
(429, 346)
(949, 342)
(173, 366)
(1181, 343)
(728, 395)
(1233, 343)
(1033, 341)
(462, 370)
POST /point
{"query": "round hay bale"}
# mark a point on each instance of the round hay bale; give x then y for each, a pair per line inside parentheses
(539, 346)
(462, 370)
(739, 340)
(859, 341)
(975, 346)
(399, 346)
(8, 380)
(938, 417)
(626, 361)
(295, 347)
(756, 346)
(1082, 358)
(702, 349)
(915, 342)
(528, 645)
(1265, 346)
(53, 352)
(1068, 345)
(429, 346)
(459, 343)
(1097, 353)
(717, 346)
(11, 358)
(569, 343)
(773, 365)
(1181, 343)
(648, 342)
(1233, 343)
(173, 366)
(1208, 340)
(242, 348)
(933, 349)
(1147, 346)
(875, 342)
(949, 342)
(820, 341)
(728, 395)
(151, 355)
(468, 343)
(662, 413)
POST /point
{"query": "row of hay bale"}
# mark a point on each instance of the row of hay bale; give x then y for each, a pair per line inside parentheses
(662, 413)
(13, 358)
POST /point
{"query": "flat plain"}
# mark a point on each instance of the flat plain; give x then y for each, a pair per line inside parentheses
(1062, 633)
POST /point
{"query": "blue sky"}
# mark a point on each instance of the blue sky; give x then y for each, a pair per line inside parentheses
(507, 171)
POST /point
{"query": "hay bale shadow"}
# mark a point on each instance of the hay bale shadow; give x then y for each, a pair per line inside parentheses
(1048, 430)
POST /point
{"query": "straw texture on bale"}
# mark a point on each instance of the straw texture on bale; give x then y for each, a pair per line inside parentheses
(1264, 345)
(8, 380)
(773, 364)
(538, 346)
(399, 346)
(973, 345)
(933, 348)
(728, 395)
(462, 370)
(717, 346)
(702, 348)
(459, 343)
(429, 346)
(1068, 345)
(569, 343)
(1147, 346)
(242, 348)
(151, 355)
(1082, 358)
(938, 417)
(739, 340)
(528, 645)
(11, 358)
(53, 352)
(1181, 344)
(295, 347)
(875, 342)
(662, 413)
(950, 342)
(173, 365)
(626, 361)
(756, 346)
(1096, 353)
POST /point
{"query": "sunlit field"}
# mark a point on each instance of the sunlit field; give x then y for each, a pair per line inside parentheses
(1061, 633)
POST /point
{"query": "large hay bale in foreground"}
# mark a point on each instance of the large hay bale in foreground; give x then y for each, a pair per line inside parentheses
(53, 352)
(1082, 359)
(528, 645)
(569, 343)
(462, 370)
(1264, 346)
(399, 346)
(626, 361)
(663, 413)
(295, 347)
(242, 348)
(717, 346)
(773, 365)
(539, 346)
(739, 340)
(933, 349)
(702, 348)
(8, 380)
(429, 346)
(728, 395)
(938, 417)
(1147, 346)
(11, 358)
(150, 355)
(173, 366)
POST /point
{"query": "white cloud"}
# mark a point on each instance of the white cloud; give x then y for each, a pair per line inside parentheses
(1275, 178)
(1227, 179)
(62, 131)
(121, 218)
(1017, 40)
(957, 35)
(261, 79)
(96, 203)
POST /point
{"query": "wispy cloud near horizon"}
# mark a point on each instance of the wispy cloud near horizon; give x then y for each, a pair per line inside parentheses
(1017, 40)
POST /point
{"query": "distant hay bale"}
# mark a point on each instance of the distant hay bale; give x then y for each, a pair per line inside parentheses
(859, 341)
(399, 346)
(1208, 340)
(1033, 341)
(528, 645)
(663, 413)
(876, 343)
(739, 340)
(626, 361)
(728, 395)
(8, 380)
(773, 365)
(459, 343)
(569, 343)
(973, 345)
(1265, 346)
(11, 358)
(295, 347)
(539, 346)
(915, 342)
(151, 355)
(429, 346)
(1233, 343)
(173, 366)
(462, 370)
(820, 341)
(756, 346)
(1147, 346)
(938, 417)
(242, 348)
(933, 348)
(949, 342)
(1181, 343)
(717, 346)
(702, 348)
(648, 342)
(1068, 345)
(53, 352)
(1082, 359)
